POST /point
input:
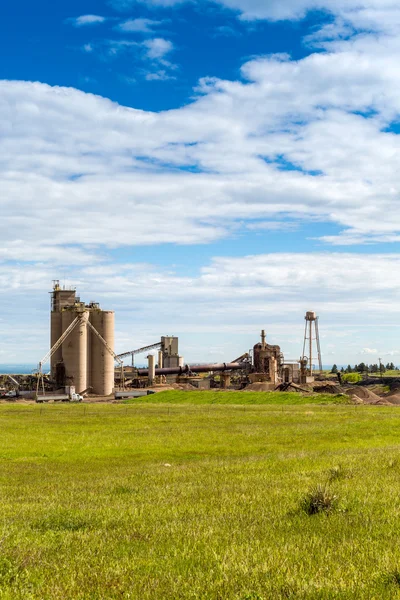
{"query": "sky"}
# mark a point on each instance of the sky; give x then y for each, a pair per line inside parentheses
(205, 169)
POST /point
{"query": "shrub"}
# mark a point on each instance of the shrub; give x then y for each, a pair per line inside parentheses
(336, 473)
(352, 377)
(319, 500)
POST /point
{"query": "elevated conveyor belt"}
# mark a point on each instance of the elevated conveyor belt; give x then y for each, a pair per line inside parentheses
(196, 369)
(139, 350)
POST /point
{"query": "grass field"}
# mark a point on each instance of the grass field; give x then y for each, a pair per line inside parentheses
(198, 501)
(235, 398)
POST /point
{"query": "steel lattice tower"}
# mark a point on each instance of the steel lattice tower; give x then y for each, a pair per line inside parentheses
(311, 334)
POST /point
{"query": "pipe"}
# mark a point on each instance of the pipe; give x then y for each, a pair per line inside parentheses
(196, 369)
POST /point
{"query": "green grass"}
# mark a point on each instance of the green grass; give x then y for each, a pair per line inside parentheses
(208, 502)
(237, 398)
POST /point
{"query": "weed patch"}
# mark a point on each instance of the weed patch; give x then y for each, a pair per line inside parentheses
(10, 572)
(62, 521)
(337, 473)
(391, 578)
(122, 490)
(320, 499)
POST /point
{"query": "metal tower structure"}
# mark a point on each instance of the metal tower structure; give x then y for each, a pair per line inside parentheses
(311, 334)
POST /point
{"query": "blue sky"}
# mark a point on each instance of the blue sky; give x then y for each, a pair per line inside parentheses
(205, 169)
(208, 41)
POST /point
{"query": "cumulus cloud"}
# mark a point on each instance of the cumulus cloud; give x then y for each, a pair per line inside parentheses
(367, 13)
(161, 75)
(139, 25)
(311, 140)
(275, 289)
(86, 20)
(150, 54)
(305, 139)
(158, 48)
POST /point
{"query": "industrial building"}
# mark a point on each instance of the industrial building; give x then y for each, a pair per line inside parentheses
(82, 357)
(82, 360)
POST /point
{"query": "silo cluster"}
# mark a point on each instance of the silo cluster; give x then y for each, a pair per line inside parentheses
(82, 361)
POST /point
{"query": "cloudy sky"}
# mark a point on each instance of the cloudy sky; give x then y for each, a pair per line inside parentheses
(205, 169)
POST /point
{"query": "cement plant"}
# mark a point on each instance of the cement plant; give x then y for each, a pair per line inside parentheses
(84, 364)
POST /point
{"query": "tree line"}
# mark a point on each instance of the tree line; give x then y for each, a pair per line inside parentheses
(363, 368)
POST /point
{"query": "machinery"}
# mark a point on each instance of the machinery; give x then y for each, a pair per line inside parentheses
(133, 353)
(168, 355)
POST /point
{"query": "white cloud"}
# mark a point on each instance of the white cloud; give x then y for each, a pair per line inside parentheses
(226, 31)
(291, 142)
(368, 15)
(158, 48)
(125, 5)
(275, 289)
(86, 20)
(161, 75)
(150, 55)
(369, 351)
(84, 151)
(139, 25)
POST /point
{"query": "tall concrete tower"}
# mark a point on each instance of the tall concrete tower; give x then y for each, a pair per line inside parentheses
(82, 360)
(101, 361)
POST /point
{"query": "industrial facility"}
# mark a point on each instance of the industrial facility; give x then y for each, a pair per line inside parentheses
(83, 360)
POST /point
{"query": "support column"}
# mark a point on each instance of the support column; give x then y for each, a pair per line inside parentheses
(152, 368)
(272, 370)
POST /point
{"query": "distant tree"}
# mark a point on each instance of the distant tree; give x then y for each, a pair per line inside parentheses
(382, 368)
(349, 369)
(352, 377)
(342, 370)
(362, 368)
(334, 369)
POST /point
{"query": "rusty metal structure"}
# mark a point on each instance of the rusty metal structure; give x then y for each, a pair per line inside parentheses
(267, 362)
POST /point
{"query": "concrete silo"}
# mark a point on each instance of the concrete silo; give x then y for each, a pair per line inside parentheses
(60, 299)
(75, 348)
(101, 361)
(82, 360)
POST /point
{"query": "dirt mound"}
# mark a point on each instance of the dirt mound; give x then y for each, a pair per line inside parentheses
(395, 385)
(356, 400)
(367, 396)
(329, 388)
(393, 399)
(379, 402)
(260, 386)
(184, 386)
